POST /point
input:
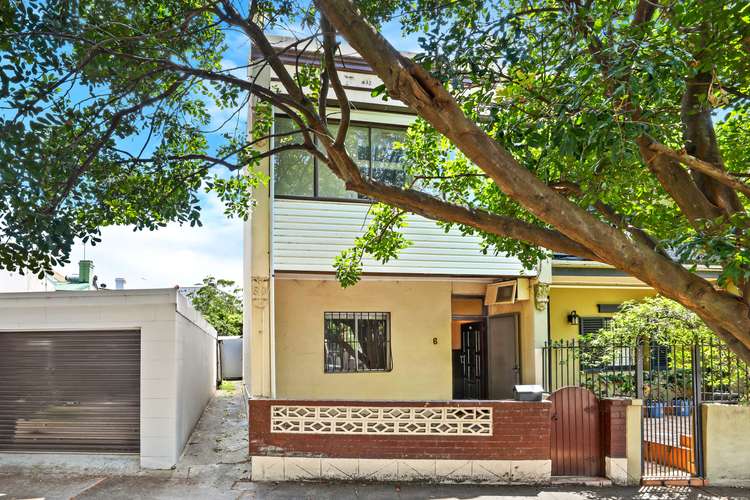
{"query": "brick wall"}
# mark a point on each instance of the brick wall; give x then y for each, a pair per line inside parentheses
(521, 431)
(613, 427)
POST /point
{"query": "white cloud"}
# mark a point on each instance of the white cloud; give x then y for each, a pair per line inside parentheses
(173, 255)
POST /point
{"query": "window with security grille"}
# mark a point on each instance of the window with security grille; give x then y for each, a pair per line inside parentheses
(357, 342)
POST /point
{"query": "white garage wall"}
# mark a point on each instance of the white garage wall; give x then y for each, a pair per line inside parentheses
(178, 353)
(196, 368)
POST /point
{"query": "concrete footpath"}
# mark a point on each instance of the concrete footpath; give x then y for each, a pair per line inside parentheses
(215, 466)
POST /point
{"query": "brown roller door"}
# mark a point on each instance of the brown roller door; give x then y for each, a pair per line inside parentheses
(72, 391)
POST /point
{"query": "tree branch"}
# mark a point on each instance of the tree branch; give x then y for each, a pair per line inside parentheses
(220, 161)
(678, 184)
(704, 167)
(644, 11)
(609, 214)
(700, 140)
(436, 209)
(102, 141)
(329, 43)
(414, 86)
(252, 30)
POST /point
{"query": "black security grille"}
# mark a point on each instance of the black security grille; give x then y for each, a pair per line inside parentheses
(357, 342)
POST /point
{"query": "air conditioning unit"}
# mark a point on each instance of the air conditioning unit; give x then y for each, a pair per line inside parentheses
(501, 293)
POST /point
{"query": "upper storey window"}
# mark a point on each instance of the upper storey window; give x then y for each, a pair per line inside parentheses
(372, 147)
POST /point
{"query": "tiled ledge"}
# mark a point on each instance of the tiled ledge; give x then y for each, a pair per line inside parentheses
(266, 468)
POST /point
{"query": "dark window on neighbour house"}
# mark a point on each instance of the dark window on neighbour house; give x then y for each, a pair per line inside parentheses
(614, 356)
(299, 174)
(624, 356)
(357, 342)
(591, 326)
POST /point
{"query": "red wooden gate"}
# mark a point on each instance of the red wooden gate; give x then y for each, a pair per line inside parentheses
(576, 442)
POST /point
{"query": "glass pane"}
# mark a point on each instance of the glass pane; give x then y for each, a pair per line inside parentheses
(292, 170)
(372, 337)
(386, 159)
(340, 343)
(357, 145)
(330, 186)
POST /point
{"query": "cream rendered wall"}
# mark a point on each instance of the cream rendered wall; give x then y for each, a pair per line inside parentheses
(420, 311)
(634, 441)
(726, 437)
(257, 278)
(584, 301)
(163, 359)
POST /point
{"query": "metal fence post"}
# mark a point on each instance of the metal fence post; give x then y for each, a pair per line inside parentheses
(697, 411)
(639, 370)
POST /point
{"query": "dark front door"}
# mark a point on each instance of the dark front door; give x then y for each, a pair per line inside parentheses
(473, 360)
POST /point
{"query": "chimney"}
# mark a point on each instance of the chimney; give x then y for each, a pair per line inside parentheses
(119, 283)
(85, 270)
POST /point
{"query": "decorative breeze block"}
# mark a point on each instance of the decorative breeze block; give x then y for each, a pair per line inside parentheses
(418, 421)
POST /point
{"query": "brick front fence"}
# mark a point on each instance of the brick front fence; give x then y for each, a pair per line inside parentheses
(443, 441)
(507, 430)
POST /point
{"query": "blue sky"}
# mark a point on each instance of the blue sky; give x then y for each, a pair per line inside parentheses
(184, 255)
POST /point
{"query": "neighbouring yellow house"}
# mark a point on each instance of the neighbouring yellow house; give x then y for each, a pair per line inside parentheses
(583, 295)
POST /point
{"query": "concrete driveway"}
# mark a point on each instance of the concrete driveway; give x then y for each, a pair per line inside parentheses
(215, 466)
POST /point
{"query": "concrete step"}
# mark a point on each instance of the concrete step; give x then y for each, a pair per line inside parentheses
(580, 480)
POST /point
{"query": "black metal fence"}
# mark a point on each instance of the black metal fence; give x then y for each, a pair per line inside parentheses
(673, 380)
(648, 371)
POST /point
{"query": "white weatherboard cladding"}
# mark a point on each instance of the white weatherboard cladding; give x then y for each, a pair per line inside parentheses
(309, 234)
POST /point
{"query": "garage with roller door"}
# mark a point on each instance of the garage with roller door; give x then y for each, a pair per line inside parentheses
(103, 372)
(70, 391)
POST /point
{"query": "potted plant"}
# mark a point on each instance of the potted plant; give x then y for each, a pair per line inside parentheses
(654, 404)
(682, 407)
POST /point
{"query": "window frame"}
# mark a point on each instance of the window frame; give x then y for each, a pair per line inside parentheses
(353, 123)
(357, 316)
